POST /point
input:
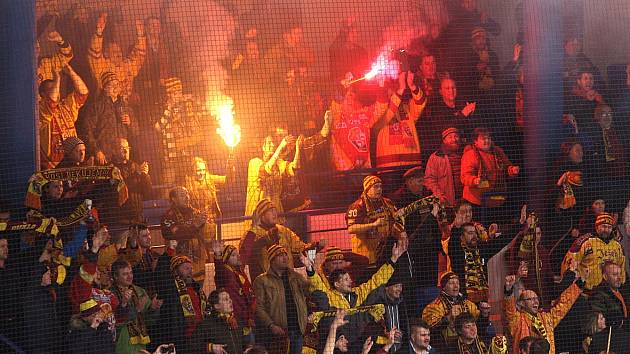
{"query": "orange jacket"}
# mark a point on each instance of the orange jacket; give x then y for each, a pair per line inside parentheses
(520, 324)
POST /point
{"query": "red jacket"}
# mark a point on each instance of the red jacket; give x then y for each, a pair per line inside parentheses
(236, 283)
(490, 165)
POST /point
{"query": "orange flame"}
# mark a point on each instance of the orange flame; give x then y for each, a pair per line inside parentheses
(229, 131)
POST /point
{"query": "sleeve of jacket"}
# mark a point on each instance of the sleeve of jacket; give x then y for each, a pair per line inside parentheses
(136, 58)
(316, 283)
(297, 245)
(381, 277)
(564, 304)
(470, 168)
(432, 175)
(511, 313)
(246, 247)
(417, 104)
(221, 273)
(574, 254)
(434, 314)
(385, 111)
(262, 303)
(97, 62)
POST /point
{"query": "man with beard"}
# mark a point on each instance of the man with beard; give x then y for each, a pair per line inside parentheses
(187, 226)
(265, 232)
(590, 252)
(183, 307)
(611, 296)
(442, 173)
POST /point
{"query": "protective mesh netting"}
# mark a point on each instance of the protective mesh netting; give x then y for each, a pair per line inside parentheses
(400, 161)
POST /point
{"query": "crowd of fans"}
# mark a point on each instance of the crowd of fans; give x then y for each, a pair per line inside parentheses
(435, 156)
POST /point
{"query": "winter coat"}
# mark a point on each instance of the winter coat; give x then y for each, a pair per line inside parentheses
(216, 330)
(85, 339)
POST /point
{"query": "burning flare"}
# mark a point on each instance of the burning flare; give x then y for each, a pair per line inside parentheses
(228, 129)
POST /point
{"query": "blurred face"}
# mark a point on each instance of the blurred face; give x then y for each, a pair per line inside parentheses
(235, 259)
(479, 41)
(451, 287)
(78, 153)
(572, 47)
(604, 231)
(601, 322)
(114, 53)
(394, 292)
(200, 170)
(342, 344)
(376, 191)
(469, 236)
(605, 118)
(465, 212)
(48, 88)
(483, 142)
(181, 198)
(452, 141)
(268, 148)
(123, 150)
(428, 67)
(270, 217)
(344, 284)
(469, 331)
(224, 305)
(124, 278)
(185, 271)
(112, 89)
(153, 27)
(586, 81)
(281, 262)
(612, 275)
(415, 185)
(598, 206)
(529, 301)
(55, 189)
(576, 154)
(144, 239)
(4, 249)
(420, 337)
(448, 90)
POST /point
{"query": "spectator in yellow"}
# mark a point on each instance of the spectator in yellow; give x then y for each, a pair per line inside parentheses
(591, 252)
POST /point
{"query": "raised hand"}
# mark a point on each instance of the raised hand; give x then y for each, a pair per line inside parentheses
(308, 263)
(399, 248)
(339, 318)
(101, 22)
(510, 280)
(469, 108)
(156, 303)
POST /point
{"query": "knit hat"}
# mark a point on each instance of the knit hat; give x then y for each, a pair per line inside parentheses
(89, 307)
(333, 254)
(107, 77)
(227, 252)
(172, 85)
(477, 31)
(275, 250)
(414, 172)
(177, 261)
(396, 278)
(70, 143)
(604, 219)
(262, 207)
(446, 277)
(369, 181)
(448, 131)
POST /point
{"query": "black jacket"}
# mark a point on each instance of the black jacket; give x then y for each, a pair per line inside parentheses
(603, 300)
(216, 330)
